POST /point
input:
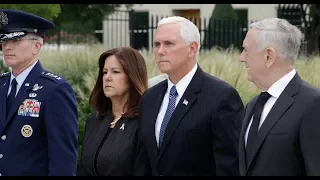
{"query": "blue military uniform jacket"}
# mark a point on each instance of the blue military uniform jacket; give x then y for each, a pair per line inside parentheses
(40, 135)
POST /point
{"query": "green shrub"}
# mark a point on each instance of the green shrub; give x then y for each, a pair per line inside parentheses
(224, 11)
(3, 67)
(221, 14)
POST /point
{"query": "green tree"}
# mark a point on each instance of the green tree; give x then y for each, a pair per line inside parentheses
(80, 18)
(48, 11)
(224, 11)
(220, 12)
(83, 18)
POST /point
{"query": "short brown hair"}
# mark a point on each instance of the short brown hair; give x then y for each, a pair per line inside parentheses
(135, 68)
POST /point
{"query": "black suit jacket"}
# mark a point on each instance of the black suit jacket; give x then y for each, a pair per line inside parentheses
(117, 152)
(201, 137)
(288, 140)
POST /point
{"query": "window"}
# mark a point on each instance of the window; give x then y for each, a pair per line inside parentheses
(242, 14)
(191, 14)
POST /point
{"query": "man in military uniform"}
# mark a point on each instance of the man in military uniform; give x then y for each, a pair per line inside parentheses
(38, 109)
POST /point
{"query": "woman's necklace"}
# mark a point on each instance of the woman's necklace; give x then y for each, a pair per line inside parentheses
(113, 123)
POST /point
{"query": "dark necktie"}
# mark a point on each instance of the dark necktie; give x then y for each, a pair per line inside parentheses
(263, 98)
(171, 106)
(12, 95)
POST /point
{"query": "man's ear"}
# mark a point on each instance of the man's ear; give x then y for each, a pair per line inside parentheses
(270, 56)
(193, 49)
(37, 47)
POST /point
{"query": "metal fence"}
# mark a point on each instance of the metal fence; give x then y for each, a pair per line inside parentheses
(126, 28)
(129, 28)
(63, 37)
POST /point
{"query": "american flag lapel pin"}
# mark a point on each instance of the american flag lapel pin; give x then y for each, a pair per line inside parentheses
(185, 102)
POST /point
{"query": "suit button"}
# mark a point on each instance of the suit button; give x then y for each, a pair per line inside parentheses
(4, 137)
(1, 156)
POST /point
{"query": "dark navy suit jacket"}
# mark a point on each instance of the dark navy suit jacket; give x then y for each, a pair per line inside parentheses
(287, 143)
(40, 135)
(201, 138)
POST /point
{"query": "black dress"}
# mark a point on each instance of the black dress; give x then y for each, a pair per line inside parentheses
(108, 151)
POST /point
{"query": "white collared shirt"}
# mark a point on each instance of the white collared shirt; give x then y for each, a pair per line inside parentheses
(20, 78)
(275, 91)
(181, 86)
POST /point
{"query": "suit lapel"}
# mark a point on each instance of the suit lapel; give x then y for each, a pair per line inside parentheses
(99, 136)
(23, 91)
(153, 112)
(247, 117)
(182, 109)
(282, 104)
(103, 129)
(3, 96)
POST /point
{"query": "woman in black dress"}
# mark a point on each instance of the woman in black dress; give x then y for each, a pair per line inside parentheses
(110, 134)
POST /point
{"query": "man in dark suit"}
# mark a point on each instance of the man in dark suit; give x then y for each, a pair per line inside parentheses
(38, 111)
(190, 123)
(280, 132)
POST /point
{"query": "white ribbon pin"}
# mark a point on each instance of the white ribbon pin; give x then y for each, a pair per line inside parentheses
(122, 126)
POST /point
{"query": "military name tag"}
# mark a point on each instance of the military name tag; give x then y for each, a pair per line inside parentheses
(30, 107)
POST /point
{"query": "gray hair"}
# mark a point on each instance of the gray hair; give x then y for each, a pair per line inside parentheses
(188, 30)
(35, 36)
(279, 34)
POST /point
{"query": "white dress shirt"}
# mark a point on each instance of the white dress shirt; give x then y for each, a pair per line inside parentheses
(275, 91)
(181, 86)
(20, 78)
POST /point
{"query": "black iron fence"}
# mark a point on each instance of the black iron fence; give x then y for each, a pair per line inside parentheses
(63, 37)
(135, 29)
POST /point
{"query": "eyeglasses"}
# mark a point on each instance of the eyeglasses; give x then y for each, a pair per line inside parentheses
(17, 40)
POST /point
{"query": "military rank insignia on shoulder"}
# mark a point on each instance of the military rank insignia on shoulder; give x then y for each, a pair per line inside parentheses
(4, 74)
(51, 76)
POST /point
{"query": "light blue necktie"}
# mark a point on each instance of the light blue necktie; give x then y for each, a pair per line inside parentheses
(171, 106)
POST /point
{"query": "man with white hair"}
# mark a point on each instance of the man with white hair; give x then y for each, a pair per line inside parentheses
(190, 122)
(280, 132)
